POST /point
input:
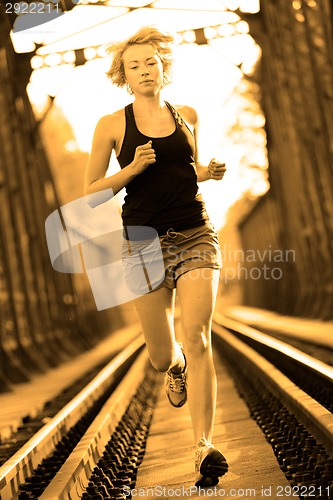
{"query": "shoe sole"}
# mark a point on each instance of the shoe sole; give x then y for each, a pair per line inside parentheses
(180, 404)
(212, 468)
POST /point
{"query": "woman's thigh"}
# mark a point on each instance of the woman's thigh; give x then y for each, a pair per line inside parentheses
(197, 290)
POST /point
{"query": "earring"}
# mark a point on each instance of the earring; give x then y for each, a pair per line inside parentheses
(129, 90)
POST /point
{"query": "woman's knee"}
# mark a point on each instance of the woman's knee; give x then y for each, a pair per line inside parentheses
(197, 338)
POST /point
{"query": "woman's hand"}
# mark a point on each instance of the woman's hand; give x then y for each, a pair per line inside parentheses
(216, 170)
(144, 156)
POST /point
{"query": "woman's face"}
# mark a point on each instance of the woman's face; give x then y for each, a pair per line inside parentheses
(143, 69)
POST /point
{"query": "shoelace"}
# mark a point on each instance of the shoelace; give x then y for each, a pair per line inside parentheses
(177, 382)
(202, 445)
(203, 442)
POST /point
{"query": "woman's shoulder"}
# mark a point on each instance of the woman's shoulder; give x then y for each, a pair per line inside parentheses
(188, 113)
(113, 118)
(112, 124)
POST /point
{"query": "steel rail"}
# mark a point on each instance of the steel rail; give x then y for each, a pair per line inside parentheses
(21, 465)
(72, 479)
(317, 419)
(322, 369)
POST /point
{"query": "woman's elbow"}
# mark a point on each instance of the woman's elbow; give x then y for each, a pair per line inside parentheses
(95, 195)
(91, 196)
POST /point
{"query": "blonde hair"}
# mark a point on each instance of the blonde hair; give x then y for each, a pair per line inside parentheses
(147, 35)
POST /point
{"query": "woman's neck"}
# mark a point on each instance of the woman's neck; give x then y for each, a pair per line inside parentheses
(150, 105)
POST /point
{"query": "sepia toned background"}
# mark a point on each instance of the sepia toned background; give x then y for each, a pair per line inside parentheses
(260, 76)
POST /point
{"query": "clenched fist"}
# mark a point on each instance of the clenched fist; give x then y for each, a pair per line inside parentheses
(143, 157)
(216, 170)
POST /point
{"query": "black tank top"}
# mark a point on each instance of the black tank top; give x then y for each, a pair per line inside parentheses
(165, 195)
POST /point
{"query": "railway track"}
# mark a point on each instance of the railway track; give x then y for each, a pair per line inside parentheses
(269, 374)
(93, 447)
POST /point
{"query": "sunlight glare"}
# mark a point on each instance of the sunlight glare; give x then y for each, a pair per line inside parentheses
(207, 77)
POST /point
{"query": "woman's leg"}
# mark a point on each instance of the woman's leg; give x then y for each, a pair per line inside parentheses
(197, 291)
(155, 311)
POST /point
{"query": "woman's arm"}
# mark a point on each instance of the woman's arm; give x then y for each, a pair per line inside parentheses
(202, 172)
(102, 146)
(215, 170)
(104, 141)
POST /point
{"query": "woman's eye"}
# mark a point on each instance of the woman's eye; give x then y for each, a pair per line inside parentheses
(134, 67)
(152, 64)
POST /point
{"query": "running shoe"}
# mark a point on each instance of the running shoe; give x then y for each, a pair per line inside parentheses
(176, 385)
(210, 464)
